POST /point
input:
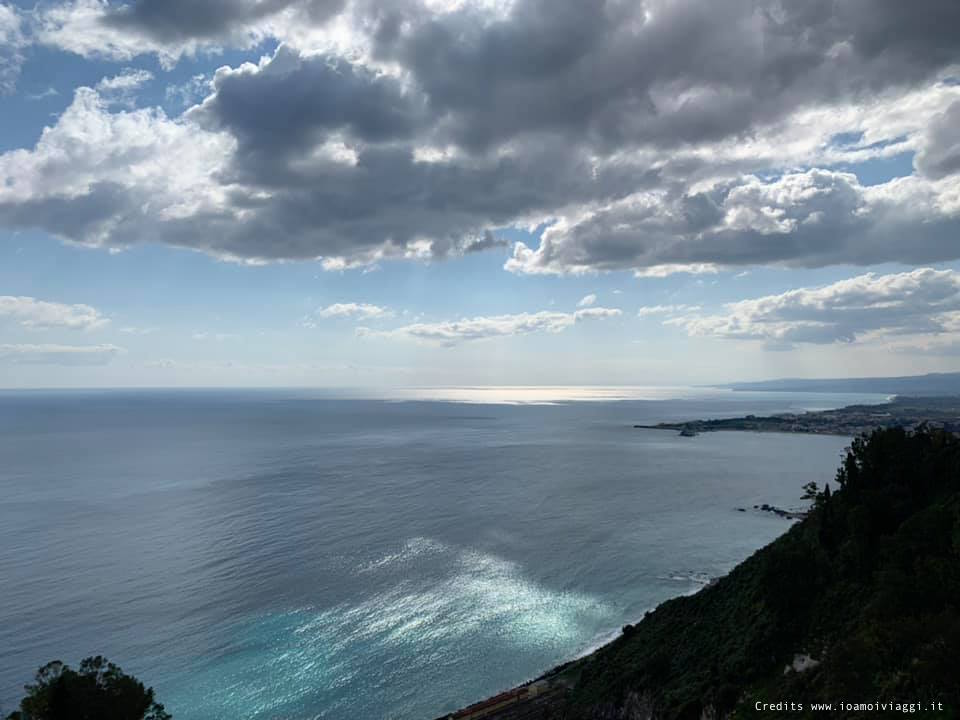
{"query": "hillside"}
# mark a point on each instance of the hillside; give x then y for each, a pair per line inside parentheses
(931, 384)
(867, 587)
(859, 601)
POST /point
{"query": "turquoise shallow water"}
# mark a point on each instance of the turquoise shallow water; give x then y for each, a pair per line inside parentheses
(295, 555)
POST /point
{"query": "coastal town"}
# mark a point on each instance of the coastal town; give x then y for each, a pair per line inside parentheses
(904, 412)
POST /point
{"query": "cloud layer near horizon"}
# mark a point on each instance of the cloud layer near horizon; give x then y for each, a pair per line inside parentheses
(54, 354)
(453, 332)
(919, 302)
(41, 314)
(653, 137)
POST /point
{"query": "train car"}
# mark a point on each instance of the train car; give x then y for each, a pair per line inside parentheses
(499, 702)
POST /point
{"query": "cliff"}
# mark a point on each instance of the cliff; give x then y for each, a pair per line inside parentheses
(858, 603)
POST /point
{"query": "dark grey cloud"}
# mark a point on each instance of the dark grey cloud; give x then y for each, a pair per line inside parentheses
(940, 155)
(387, 201)
(175, 21)
(78, 217)
(613, 73)
(381, 202)
(292, 102)
(909, 40)
(810, 219)
(608, 116)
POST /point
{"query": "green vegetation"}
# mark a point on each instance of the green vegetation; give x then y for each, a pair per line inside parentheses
(98, 690)
(868, 586)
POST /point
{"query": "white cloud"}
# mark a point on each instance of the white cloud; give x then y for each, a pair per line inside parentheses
(453, 332)
(362, 311)
(32, 313)
(919, 302)
(648, 310)
(134, 173)
(188, 92)
(49, 92)
(12, 43)
(587, 300)
(668, 269)
(122, 88)
(51, 354)
(124, 82)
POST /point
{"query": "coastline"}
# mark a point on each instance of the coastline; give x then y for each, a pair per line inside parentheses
(553, 686)
(900, 412)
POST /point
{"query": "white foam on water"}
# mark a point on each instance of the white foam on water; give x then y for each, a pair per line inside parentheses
(481, 591)
(412, 548)
(481, 601)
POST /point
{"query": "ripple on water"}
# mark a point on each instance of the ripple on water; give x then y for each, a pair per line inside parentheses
(355, 656)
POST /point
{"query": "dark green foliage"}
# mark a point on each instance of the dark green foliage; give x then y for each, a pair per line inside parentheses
(98, 690)
(868, 585)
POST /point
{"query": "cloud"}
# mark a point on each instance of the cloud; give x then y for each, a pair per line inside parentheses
(663, 270)
(649, 310)
(12, 42)
(172, 29)
(940, 154)
(49, 354)
(310, 98)
(587, 300)
(453, 332)
(188, 92)
(229, 21)
(483, 243)
(939, 347)
(43, 94)
(652, 137)
(355, 310)
(803, 219)
(32, 313)
(659, 72)
(919, 302)
(109, 179)
(124, 82)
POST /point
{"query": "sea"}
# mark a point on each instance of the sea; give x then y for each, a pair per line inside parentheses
(355, 555)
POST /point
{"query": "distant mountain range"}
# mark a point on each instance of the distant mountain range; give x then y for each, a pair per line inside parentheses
(914, 385)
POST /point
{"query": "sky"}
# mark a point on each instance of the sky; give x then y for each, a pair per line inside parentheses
(353, 193)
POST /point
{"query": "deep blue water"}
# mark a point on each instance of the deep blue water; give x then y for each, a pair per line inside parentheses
(293, 555)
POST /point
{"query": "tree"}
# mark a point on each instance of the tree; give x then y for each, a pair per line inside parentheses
(98, 690)
(810, 491)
